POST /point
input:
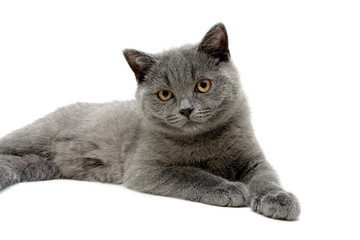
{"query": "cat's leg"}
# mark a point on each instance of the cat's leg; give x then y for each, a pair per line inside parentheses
(24, 154)
(266, 194)
(15, 169)
(187, 183)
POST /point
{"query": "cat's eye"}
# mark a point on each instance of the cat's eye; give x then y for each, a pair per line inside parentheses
(165, 95)
(203, 86)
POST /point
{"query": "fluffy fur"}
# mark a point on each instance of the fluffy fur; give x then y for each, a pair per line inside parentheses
(210, 156)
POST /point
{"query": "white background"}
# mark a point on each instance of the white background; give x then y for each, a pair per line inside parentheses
(299, 64)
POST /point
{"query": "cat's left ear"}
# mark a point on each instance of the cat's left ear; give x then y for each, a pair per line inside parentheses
(139, 62)
(215, 43)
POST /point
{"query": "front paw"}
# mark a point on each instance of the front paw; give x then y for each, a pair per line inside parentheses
(278, 204)
(229, 194)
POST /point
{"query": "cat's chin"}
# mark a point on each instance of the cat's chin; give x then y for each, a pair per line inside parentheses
(185, 127)
(191, 127)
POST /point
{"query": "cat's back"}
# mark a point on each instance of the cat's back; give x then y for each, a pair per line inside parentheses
(83, 114)
(96, 139)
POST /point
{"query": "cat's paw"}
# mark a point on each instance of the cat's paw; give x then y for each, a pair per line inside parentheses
(230, 194)
(7, 177)
(278, 204)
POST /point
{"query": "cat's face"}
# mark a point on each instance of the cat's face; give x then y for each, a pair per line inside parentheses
(188, 90)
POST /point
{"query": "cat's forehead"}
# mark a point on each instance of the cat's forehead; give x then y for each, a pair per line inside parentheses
(177, 57)
(183, 65)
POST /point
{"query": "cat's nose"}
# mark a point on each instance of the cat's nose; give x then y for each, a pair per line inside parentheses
(185, 107)
(186, 112)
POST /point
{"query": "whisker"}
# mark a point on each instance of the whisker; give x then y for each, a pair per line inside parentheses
(206, 115)
(176, 122)
(206, 110)
(177, 119)
(172, 117)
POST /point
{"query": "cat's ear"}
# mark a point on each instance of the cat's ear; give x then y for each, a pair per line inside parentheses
(139, 62)
(215, 43)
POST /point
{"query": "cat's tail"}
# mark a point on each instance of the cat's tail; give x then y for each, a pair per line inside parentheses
(27, 168)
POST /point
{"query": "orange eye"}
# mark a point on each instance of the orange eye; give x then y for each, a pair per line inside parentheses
(165, 95)
(203, 86)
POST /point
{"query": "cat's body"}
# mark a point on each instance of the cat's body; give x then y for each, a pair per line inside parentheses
(86, 141)
(187, 135)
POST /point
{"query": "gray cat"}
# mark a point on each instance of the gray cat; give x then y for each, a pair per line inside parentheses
(188, 135)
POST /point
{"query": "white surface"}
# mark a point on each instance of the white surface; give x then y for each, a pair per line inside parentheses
(299, 64)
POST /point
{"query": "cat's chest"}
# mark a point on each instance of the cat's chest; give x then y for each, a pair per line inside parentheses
(204, 152)
(216, 157)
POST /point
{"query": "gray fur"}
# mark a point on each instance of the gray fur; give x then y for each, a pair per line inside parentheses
(149, 146)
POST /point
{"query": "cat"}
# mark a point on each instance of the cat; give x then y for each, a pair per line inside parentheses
(187, 135)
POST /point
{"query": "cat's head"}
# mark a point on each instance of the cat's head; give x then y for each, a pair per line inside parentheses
(188, 90)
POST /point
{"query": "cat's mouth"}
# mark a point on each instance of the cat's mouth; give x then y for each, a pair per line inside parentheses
(190, 122)
(193, 123)
(195, 120)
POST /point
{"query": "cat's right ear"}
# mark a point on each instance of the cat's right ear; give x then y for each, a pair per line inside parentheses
(139, 62)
